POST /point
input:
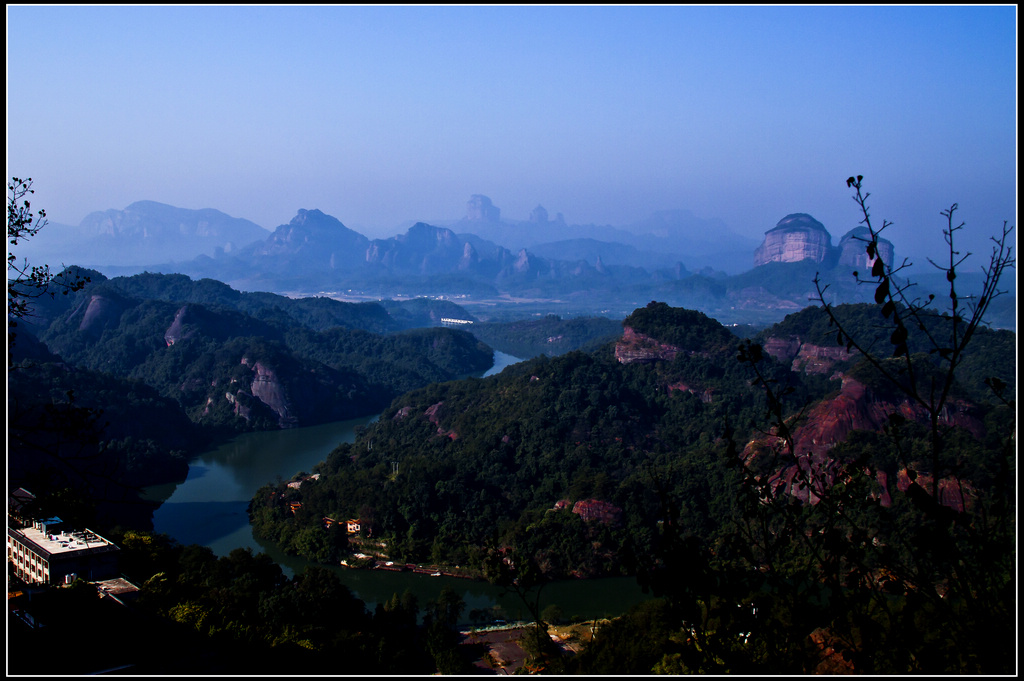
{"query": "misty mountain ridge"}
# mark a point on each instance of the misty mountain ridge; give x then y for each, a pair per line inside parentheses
(659, 240)
(153, 233)
(316, 253)
(144, 233)
(312, 240)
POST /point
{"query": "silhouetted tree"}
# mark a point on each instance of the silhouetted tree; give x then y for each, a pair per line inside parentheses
(26, 282)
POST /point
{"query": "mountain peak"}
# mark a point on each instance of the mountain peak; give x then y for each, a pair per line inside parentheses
(799, 221)
(480, 209)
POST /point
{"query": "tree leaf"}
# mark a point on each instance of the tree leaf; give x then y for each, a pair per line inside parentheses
(882, 292)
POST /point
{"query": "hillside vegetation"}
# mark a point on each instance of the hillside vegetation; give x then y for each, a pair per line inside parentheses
(244, 360)
(550, 335)
(583, 465)
(118, 385)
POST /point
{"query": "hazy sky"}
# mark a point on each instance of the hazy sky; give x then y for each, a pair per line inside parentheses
(380, 115)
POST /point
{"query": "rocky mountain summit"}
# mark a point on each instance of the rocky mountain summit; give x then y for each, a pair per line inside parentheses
(424, 249)
(159, 221)
(319, 241)
(798, 237)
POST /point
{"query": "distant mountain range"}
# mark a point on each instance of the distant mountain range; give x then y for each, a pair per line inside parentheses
(671, 256)
(144, 233)
(151, 233)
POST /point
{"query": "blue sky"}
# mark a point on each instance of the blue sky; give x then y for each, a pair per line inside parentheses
(381, 115)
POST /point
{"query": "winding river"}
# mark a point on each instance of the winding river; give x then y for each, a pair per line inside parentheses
(209, 508)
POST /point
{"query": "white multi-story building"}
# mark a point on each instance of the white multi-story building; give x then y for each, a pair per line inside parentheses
(42, 555)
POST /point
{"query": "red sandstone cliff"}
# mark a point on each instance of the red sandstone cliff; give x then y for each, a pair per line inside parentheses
(636, 347)
(830, 422)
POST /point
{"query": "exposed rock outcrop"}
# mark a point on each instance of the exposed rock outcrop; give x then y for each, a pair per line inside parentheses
(796, 237)
(523, 262)
(636, 347)
(470, 259)
(242, 403)
(480, 209)
(782, 349)
(434, 413)
(814, 359)
(423, 249)
(147, 232)
(100, 313)
(706, 395)
(315, 240)
(595, 510)
(830, 422)
(178, 331)
(853, 250)
(267, 388)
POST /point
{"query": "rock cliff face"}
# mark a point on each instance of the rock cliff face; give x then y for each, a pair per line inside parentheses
(636, 347)
(853, 250)
(595, 510)
(268, 389)
(592, 510)
(149, 232)
(470, 260)
(831, 421)
(177, 330)
(524, 263)
(100, 313)
(158, 221)
(796, 237)
(434, 413)
(313, 240)
(480, 209)
(706, 395)
(423, 249)
(814, 359)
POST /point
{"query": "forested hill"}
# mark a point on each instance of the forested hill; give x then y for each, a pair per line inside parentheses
(247, 360)
(317, 313)
(84, 442)
(688, 330)
(811, 341)
(550, 335)
(447, 464)
(761, 497)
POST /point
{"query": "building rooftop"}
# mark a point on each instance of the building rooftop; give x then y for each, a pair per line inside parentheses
(50, 545)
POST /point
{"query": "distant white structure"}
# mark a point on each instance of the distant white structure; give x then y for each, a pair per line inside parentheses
(449, 321)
